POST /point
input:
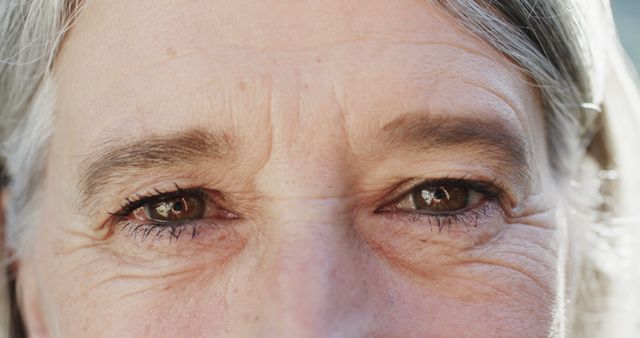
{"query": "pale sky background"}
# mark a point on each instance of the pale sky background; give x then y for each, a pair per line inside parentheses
(627, 16)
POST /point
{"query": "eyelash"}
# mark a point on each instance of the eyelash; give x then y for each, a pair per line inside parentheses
(133, 203)
(158, 230)
(174, 229)
(468, 217)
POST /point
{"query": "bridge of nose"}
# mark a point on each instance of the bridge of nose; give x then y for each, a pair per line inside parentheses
(310, 273)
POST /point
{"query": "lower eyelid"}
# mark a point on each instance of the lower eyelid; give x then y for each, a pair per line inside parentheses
(453, 222)
(144, 231)
(167, 233)
(416, 238)
(153, 244)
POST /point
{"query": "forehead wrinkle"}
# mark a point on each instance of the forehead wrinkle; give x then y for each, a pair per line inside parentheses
(115, 158)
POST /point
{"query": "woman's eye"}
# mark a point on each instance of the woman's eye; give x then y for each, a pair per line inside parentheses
(179, 206)
(440, 198)
(175, 209)
(173, 213)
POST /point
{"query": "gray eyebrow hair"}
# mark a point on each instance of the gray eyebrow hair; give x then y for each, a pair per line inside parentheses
(491, 136)
(112, 157)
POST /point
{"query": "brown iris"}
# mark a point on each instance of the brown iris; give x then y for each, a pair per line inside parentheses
(175, 209)
(442, 198)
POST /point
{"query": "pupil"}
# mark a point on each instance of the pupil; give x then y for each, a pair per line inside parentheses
(178, 206)
(439, 194)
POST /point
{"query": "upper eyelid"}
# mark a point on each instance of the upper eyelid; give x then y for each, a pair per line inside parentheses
(133, 202)
(406, 187)
(394, 194)
(115, 157)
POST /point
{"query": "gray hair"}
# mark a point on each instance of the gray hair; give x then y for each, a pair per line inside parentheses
(543, 38)
(30, 32)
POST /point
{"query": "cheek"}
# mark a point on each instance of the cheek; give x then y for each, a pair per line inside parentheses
(501, 277)
(423, 282)
(95, 296)
(431, 313)
(145, 309)
(96, 288)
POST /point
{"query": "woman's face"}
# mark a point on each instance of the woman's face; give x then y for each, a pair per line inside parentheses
(292, 169)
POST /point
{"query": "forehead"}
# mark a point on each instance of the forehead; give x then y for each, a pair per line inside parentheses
(152, 66)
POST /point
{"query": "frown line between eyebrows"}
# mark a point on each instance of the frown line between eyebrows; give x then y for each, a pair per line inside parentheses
(113, 157)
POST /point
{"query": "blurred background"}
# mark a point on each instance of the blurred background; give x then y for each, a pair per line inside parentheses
(627, 17)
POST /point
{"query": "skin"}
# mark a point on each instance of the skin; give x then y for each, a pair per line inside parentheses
(303, 91)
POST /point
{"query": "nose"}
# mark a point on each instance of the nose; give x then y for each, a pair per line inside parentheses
(314, 280)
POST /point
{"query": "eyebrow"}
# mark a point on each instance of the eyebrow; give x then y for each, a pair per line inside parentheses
(493, 137)
(111, 158)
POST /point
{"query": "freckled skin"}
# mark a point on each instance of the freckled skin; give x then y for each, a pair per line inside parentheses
(304, 87)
